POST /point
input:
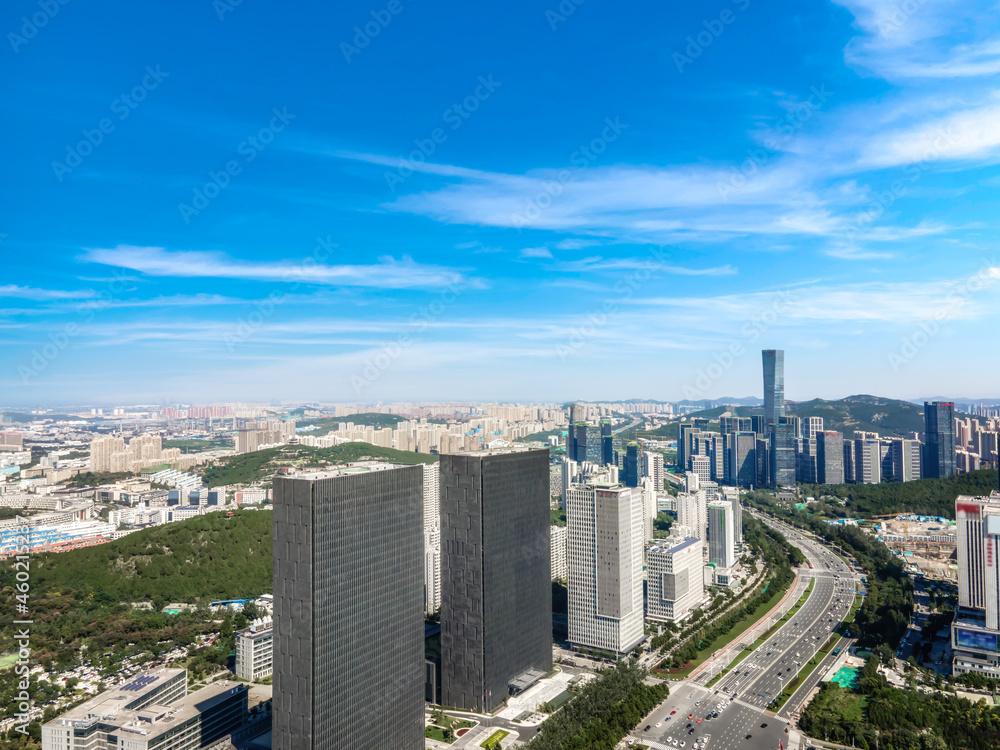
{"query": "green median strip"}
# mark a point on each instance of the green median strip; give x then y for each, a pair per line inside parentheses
(763, 638)
(805, 673)
(494, 739)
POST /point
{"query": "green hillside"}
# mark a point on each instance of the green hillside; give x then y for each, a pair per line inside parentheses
(930, 497)
(886, 416)
(82, 597)
(327, 425)
(246, 468)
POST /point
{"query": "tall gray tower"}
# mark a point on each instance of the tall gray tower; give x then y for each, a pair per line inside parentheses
(496, 596)
(774, 385)
(348, 609)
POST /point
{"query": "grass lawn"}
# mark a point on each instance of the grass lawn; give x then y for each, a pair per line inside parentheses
(494, 739)
(726, 638)
(8, 660)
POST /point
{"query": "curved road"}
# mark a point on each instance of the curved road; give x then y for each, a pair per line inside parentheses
(742, 697)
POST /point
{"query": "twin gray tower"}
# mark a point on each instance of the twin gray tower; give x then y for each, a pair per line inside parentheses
(348, 596)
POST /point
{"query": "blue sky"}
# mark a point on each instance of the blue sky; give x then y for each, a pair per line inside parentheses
(527, 200)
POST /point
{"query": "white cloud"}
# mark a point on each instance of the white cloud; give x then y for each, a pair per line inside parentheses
(40, 295)
(387, 273)
(536, 252)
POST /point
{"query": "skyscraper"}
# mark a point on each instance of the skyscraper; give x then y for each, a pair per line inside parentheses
(782, 455)
(348, 609)
(774, 385)
(584, 443)
(632, 458)
(975, 631)
(496, 598)
(812, 427)
(604, 540)
(830, 457)
(742, 458)
(721, 534)
(939, 445)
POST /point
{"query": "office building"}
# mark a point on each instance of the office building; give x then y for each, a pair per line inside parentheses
(496, 597)
(557, 542)
(432, 537)
(811, 427)
(741, 450)
(782, 454)
(867, 462)
(255, 650)
(675, 582)
(153, 711)
(692, 513)
(729, 424)
(721, 534)
(607, 443)
(604, 539)
(732, 496)
(652, 467)
(774, 386)
(829, 457)
(975, 629)
(758, 425)
(939, 436)
(348, 608)
(702, 466)
(795, 422)
(763, 452)
(584, 443)
(632, 471)
(806, 460)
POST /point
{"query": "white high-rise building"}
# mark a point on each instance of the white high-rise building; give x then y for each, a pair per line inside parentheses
(692, 513)
(254, 650)
(975, 631)
(675, 579)
(604, 540)
(721, 534)
(652, 467)
(648, 507)
(558, 544)
(432, 537)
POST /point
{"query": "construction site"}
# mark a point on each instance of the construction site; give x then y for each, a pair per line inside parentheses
(926, 543)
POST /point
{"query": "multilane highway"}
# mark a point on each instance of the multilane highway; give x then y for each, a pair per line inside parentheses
(735, 712)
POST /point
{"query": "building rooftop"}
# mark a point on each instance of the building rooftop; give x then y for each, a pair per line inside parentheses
(670, 544)
(358, 467)
(154, 719)
(112, 702)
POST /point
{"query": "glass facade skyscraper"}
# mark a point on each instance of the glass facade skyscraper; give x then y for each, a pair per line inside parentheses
(496, 596)
(348, 609)
(774, 385)
(782, 455)
(939, 442)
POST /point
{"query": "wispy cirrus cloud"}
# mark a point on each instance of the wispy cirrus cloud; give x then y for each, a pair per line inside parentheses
(43, 295)
(389, 272)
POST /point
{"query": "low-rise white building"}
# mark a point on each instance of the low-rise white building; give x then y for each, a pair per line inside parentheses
(254, 651)
(674, 572)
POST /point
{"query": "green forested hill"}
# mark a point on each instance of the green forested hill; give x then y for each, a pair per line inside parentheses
(209, 557)
(886, 416)
(254, 467)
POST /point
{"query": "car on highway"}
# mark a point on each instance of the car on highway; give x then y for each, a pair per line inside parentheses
(646, 729)
(749, 736)
(697, 721)
(672, 713)
(763, 725)
(659, 724)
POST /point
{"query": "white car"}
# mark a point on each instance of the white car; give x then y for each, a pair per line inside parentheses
(659, 724)
(674, 743)
(682, 743)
